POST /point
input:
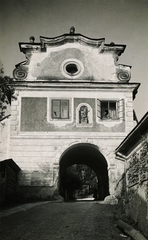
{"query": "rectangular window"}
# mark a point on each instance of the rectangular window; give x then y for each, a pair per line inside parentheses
(110, 110)
(60, 109)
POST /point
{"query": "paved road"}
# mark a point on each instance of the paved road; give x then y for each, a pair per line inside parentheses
(67, 221)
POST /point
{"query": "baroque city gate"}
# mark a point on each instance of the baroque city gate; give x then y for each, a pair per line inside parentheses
(70, 90)
(88, 154)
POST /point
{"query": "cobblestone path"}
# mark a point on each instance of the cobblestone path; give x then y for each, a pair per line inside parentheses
(66, 221)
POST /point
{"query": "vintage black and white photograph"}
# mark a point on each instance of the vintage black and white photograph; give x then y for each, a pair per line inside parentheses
(73, 119)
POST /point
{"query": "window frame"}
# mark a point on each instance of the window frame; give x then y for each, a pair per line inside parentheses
(60, 100)
(120, 107)
(59, 120)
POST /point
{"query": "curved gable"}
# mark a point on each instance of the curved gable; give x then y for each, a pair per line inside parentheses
(71, 57)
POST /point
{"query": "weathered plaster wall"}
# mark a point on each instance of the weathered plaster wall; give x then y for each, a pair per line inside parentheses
(35, 114)
(34, 118)
(97, 66)
(36, 143)
(133, 187)
(137, 180)
(38, 157)
(137, 207)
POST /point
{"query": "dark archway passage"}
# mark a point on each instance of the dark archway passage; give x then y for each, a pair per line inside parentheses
(88, 154)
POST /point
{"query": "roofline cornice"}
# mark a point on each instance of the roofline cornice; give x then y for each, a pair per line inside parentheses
(76, 85)
(130, 138)
(71, 38)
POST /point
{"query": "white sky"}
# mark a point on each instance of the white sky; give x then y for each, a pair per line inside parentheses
(119, 21)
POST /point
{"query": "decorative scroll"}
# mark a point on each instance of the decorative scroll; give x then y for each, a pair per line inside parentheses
(123, 76)
(20, 73)
(138, 167)
(123, 73)
(21, 70)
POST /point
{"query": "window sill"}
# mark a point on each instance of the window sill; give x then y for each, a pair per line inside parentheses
(59, 119)
(59, 122)
(84, 124)
(109, 122)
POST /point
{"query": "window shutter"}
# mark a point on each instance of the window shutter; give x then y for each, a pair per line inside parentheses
(120, 105)
(98, 108)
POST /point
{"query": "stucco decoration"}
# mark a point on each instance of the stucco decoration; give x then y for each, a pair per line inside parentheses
(123, 73)
(28, 55)
(96, 59)
(84, 115)
(21, 70)
(64, 64)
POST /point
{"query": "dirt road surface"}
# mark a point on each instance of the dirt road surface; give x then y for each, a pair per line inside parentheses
(67, 221)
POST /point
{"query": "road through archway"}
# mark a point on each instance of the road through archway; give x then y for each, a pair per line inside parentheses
(88, 154)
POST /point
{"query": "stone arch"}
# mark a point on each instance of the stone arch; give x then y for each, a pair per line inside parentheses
(101, 147)
(90, 155)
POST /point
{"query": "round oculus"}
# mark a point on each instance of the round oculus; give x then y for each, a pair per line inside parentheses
(72, 68)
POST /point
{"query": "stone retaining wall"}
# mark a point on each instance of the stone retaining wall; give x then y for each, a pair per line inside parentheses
(132, 188)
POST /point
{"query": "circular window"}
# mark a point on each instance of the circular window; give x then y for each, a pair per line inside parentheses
(72, 68)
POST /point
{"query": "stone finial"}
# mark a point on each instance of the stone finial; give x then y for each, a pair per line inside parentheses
(72, 30)
(112, 43)
(32, 39)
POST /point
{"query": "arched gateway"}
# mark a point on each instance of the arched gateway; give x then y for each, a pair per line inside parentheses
(88, 154)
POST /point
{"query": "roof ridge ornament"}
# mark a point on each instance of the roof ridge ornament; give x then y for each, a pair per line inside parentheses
(32, 39)
(72, 30)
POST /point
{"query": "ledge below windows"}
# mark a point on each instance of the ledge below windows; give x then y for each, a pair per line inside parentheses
(109, 123)
(84, 124)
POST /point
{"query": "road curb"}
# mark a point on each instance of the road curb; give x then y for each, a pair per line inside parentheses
(136, 235)
(23, 207)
